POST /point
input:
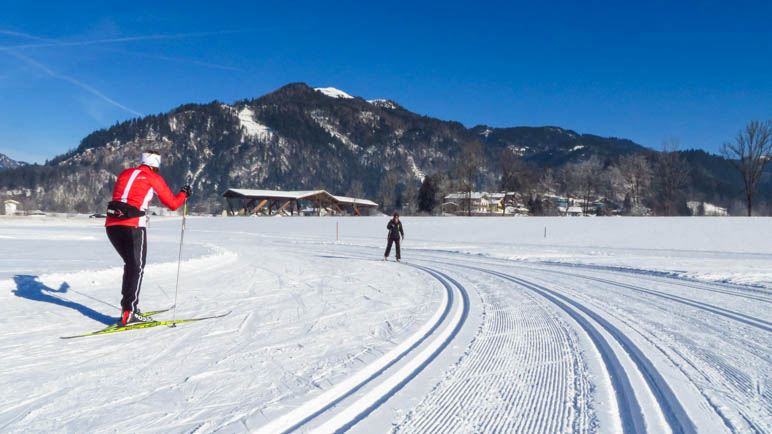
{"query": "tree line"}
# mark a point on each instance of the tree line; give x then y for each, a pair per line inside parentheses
(644, 183)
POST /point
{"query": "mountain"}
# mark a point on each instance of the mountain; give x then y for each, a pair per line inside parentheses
(296, 137)
(7, 163)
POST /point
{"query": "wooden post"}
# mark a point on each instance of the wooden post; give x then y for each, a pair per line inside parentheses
(284, 206)
(262, 204)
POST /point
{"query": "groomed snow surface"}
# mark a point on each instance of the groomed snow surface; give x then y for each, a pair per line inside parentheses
(488, 325)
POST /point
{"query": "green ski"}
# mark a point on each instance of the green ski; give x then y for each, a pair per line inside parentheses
(115, 328)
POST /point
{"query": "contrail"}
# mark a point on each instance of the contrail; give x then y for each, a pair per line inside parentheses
(176, 59)
(113, 40)
(78, 83)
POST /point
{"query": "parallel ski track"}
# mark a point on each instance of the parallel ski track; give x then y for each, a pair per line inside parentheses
(629, 408)
(520, 344)
(732, 289)
(737, 316)
(311, 410)
(727, 313)
(720, 287)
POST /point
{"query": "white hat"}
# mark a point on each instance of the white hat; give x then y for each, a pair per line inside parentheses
(152, 160)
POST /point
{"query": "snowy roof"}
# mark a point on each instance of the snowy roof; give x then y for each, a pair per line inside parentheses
(296, 195)
(273, 194)
(332, 92)
(475, 195)
(354, 201)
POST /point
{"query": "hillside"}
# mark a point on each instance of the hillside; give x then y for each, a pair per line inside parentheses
(301, 138)
(7, 163)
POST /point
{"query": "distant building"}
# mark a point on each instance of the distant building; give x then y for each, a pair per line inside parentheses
(480, 203)
(11, 206)
(270, 202)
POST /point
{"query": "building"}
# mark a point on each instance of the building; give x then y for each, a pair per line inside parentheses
(317, 202)
(479, 203)
(11, 206)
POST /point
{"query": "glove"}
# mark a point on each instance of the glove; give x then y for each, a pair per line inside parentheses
(188, 190)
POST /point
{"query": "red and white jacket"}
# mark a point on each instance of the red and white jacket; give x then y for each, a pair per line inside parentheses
(136, 187)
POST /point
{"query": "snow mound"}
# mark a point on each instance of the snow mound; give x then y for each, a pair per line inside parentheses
(332, 92)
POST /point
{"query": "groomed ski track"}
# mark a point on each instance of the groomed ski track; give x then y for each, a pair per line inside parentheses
(485, 390)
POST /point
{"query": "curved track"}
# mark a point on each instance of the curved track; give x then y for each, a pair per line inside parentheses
(550, 355)
(384, 377)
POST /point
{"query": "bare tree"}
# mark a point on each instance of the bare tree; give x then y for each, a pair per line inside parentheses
(356, 189)
(672, 174)
(750, 154)
(637, 176)
(387, 190)
(468, 170)
(588, 174)
(516, 175)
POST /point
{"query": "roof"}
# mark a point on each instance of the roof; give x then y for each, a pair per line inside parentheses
(274, 194)
(354, 201)
(297, 195)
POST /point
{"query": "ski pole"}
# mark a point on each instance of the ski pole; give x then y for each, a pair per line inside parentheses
(179, 260)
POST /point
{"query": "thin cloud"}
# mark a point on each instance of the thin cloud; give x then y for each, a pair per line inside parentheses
(114, 40)
(177, 59)
(78, 83)
(57, 43)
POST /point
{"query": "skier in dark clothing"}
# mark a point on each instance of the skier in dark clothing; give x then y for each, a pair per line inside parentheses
(395, 230)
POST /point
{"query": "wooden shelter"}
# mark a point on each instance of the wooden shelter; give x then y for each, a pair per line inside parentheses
(250, 202)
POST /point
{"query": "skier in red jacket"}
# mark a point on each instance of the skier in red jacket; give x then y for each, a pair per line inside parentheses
(126, 225)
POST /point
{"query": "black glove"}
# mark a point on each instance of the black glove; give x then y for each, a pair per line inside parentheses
(188, 190)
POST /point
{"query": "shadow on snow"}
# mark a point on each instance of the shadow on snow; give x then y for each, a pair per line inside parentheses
(31, 288)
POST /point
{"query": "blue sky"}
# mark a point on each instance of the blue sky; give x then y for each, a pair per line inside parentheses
(697, 72)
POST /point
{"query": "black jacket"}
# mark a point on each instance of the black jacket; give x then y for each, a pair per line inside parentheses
(395, 229)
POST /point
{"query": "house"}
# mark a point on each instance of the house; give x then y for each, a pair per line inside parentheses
(11, 206)
(574, 211)
(478, 202)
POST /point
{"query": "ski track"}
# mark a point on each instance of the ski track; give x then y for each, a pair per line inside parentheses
(712, 373)
(520, 344)
(388, 384)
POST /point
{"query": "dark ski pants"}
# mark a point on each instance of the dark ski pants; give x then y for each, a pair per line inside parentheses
(131, 244)
(388, 247)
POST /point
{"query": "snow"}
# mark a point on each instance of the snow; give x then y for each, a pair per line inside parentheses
(252, 127)
(332, 92)
(577, 147)
(418, 173)
(383, 103)
(489, 325)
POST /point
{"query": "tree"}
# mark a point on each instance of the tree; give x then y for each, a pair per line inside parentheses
(637, 174)
(750, 154)
(387, 191)
(468, 169)
(588, 176)
(516, 175)
(672, 174)
(427, 195)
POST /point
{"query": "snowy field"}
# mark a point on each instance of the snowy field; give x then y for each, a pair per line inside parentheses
(488, 325)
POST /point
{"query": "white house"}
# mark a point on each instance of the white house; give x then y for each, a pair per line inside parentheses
(11, 206)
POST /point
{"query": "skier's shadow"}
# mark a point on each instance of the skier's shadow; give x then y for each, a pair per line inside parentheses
(31, 288)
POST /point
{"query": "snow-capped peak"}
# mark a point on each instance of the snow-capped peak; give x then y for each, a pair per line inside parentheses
(332, 92)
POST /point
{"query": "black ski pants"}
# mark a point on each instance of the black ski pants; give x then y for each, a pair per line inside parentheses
(388, 247)
(131, 244)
